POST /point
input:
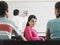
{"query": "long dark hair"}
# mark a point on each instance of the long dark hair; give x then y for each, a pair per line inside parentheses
(29, 18)
(57, 6)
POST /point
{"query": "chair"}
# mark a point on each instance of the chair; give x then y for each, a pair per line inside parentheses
(5, 31)
(52, 42)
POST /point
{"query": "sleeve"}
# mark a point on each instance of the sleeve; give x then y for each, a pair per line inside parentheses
(29, 35)
(16, 30)
(48, 24)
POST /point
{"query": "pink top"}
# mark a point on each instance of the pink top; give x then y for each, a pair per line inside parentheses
(31, 34)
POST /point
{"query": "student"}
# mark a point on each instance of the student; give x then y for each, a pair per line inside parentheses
(30, 33)
(25, 18)
(17, 19)
(4, 20)
(53, 26)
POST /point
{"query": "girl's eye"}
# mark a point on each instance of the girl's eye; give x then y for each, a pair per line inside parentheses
(33, 21)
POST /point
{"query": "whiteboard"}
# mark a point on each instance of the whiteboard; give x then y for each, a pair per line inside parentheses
(43, 10)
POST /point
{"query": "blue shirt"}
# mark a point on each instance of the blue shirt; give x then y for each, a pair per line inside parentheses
(54, 27)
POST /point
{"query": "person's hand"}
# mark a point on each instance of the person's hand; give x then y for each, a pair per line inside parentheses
(41, 38)
(22, 38)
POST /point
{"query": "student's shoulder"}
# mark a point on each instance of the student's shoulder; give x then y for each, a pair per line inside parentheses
(27, 27)
(51, 21)
(11, 21)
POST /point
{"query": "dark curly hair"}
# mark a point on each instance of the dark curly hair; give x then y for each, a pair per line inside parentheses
(16, 12)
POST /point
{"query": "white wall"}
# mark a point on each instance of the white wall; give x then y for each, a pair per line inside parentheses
(44, 10)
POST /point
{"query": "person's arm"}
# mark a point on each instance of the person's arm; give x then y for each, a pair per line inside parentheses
(23, 38)
(17, 32)
(48, 30)
(47, 34)
(29, 35)
(19, 36)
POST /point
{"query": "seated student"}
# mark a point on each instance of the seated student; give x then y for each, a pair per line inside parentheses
(30, 33)
(18, 20)
(5, 20)
(53, 26)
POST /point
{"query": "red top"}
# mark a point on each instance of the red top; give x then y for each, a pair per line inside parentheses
(31, 34)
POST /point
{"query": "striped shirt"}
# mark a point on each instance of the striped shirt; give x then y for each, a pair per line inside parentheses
(4, 20)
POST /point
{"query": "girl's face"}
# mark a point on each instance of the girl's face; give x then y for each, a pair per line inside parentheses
(32, 22)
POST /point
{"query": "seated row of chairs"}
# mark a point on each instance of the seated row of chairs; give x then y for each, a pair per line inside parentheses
(6, 31)
(17, 42)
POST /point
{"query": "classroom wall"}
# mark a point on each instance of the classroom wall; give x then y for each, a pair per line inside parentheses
(44, 10)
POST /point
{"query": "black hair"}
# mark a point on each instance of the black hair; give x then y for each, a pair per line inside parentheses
(3, 8)
(29, 18)
(57, 6)
(16, 12)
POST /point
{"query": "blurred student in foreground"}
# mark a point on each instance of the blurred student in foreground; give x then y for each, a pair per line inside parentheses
(4, 18)
(30, 33)
(53, 26)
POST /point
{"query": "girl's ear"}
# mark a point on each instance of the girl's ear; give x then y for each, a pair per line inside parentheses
(58, 11)
(7, 14)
